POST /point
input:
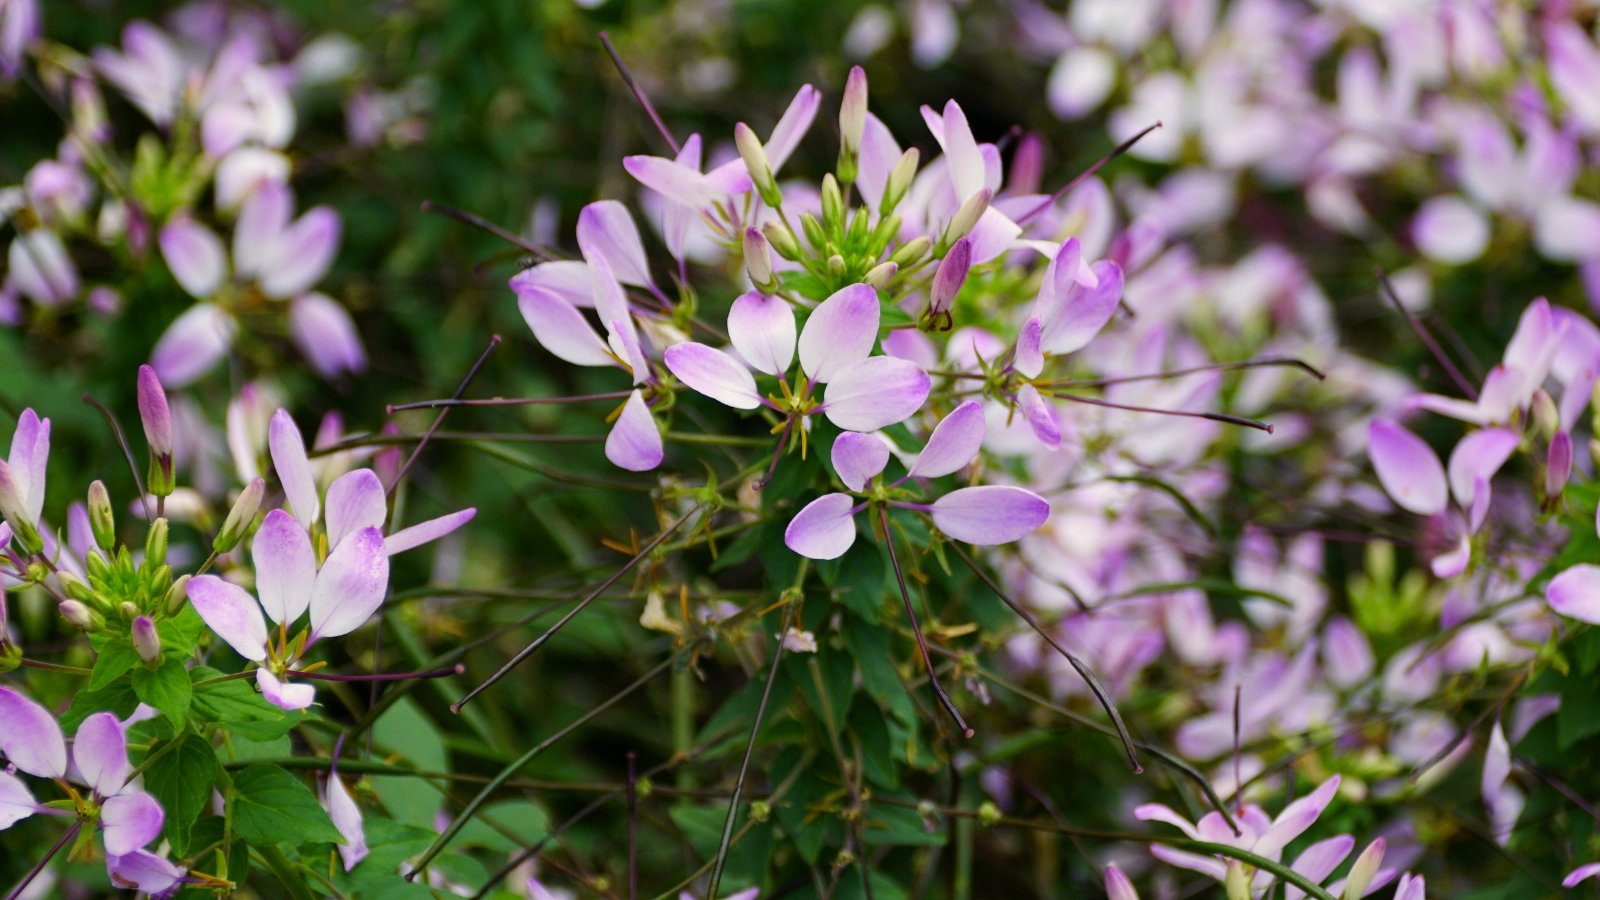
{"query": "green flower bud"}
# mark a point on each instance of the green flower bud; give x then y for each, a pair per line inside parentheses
(989, 814)
(102, 518)
(1236, 886)
(146, 641)
(177, 595)
(155, 544)
(75, 587)
(10, 655)
(813, 231)
(782, 240)
(1363, 870)
(1545, 416)
(755, 160)
(832, 206)
(880, 275)
(852, 123)
(966, 218)
(80, 616)
(241, 517)
(900, 177)
(911, 251)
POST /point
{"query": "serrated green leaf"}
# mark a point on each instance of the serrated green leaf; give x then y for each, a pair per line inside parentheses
(180, 634)
(117, 697)
(181, 779)
(236, 706)
(114, 661)
(271, 806)
(166, 688)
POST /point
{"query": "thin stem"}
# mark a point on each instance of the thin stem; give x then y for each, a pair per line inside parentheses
(446, 672)
(633, 829)
(916, 628)
(38, 867)
(599, 589)
(1289, 361)
(1085, 175)
(482, 224)
(506, 401)
(127, 452)
(1186, 414)
(54, 667)
(439, 419)
(638, 93)
(744, 767)
(1417, 328)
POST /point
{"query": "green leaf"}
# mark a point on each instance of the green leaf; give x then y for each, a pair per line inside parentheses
(389, 844)
(166, 688)
(180, 634)
(236, 706)
(180, 779)
(406, 732)
(271, 806)
(115, 659)
(117, 698)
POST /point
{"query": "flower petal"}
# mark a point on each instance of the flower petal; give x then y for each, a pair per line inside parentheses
(1450, 230)
(954, 443)
(1030, 355)
(1039, 415)
(1083, 311)
(145, 872)
(346, 818)
(1407, 467)
(100, 751)
(350, 585)
(282, 694)
(1478, 455)
(824, 529)
(794, 124)
(606, 226)
(230, 612)
(961, 152)
(762, 330)
(1575, 593)
(326, 336)
(130, 821)
(195, 255)
(875, 393)
(1580, 874)
(1319, 860)
(1118, 887)
(31, 739)
(560, 328)
(990, 514)
(857, 458)
(1295, 819)
(16, 803)
(289, 460)
(355, 501)
(301, 254)
(286, 566)
(635, 442)
(423, 532)
(673, 180)
(713, 373)
(193, 344)
(839, 332)
(261, 222)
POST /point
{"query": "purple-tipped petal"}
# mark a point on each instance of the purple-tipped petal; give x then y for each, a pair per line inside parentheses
(194, 343)
(606, 226)
(1030, 352)
(130, 821)
(1407, 467)
(195, 255)
(1083, 311)
(560, 328)
(711, 372)
(990, 514)
(261, 221)
(1118, 887)
(954, 443)
(673, 180)
(839, 333)
(230, 612)
(857, 458)
(1411, 887)
(1478, 456)
(794, 124)
(824, 529)
(289, 460)
(16, 803)
(1558, 464)
(282, 694)
(961, 152)
(28, 460)
(301, 254)
(326, 336)
(762, 330)
(1580, 874)
(1296, 818)
(1346, 655)
(1040, 417)
(100, 751)
(286, 565)
(355, 501)
(1575, 593)
(30, 739)
(145, 872)
(1503, 800)
(41, 268)
(568, 279)
(875, 393)
(635, 442)
(346, 818)
(154, 413)
(1319, 860)
(423, 532)
(1450, 230)
(351, 584)
(950, 276)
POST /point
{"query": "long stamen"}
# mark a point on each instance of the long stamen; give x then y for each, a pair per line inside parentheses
(50, 854)
(916, 628)
(439, 419)
(1264, 362)
(482, 224)
(1422, 333)
(1086, 174)
(638, 93)
(777, 452)
(506, 401)
(1186, 414)
(445, 672)
(127, 452)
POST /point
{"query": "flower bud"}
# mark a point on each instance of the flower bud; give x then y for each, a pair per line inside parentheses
(813, 231)
(911, 251)
(836, 265)
(1545, 416)
(75, 587)
(852, 123)
(177, 595)
(128, 610)
(14, 509)
(880, 275)
(155, 544)
(102, 518)
(894, 190)
(78, 615)
(145, 639)
(966, 218)
(832, 206)
(1363, 870)
(755, 160)
(241, 517)
(98, 567)
(782, 240)
(758, 261)
(1558, 466)
(157, 419)
(10, 655)
(947, 282)
(886, 229)
(1236, 885)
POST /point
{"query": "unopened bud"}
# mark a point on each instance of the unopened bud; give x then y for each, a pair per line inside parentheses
(128, 610)
(1363, 870)
(1545, 416)
(911, 251)
(98, 567)
(155, 544)
(10, 655)
(14, 509)
(989, 814)
(887, 228)
(832, 206)
(836, 265)
(102, 518)
(782, 240)
(966, 218)
(145, 639)
(860, 225)
(758, 261)
(157, 419)
(74, 587)
(880, 275)
(1236, 885)
(37, 572)
(852, 123)
(900, 177)
(755, 160)
(1558, 466)
(813, 231)
(947, 282)
(241, 517)
(78, 615)
(177, 595)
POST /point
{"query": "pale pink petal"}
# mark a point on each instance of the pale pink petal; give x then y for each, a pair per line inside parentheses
(857, 458)
(762, 330)
(635, 442)
(961, 152)
(559, 327)
(677, 219)
(1346, 655)
(1084, 311)
(875, 393)
(990, 514)
(351, 585)
(713, 373)
(606, 226)
(1478, 456)
(1503, 800)
(326, 336)
(1158, 812)
(794, 124)
(1450, 230)
(130, 821)
(1575, 593)
(302, 254)
(423, 532)
(195, 255)
(194, 343)
(1296, 818)
(839, 332)
(954, 443)
(230, 612)
(261, 223)
(568, 279)
(31, 740)
(282, 694)
(355, 501)
(1040, 416)
(994, 234)
(824, 529)
(1411, 887)
(1580, 874)
(879, 154)
(1194, 862)
(16, 803)
(673, 180)
(145, 872)
(346, 818)
(289, 460)
(1118, 887)
(100, 751)
(1030, 355)
(1407, 468)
